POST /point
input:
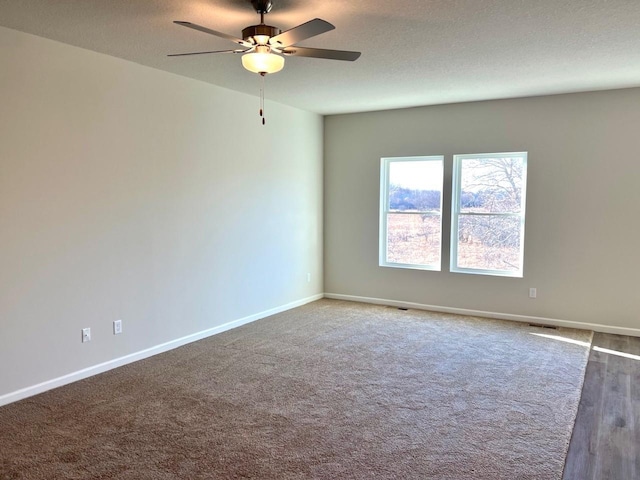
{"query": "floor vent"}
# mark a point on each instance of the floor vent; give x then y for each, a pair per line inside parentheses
(552, 327)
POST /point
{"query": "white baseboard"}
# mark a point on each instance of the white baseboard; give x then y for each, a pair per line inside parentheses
(633, 332)
(134, 357)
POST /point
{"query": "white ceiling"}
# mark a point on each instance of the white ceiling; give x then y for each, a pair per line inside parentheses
(414, 52)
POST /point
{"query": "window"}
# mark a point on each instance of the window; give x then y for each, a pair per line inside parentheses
(488, 208)
(411, 212)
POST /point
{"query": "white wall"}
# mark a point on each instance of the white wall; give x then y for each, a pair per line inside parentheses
(583, 204)
(130, 193)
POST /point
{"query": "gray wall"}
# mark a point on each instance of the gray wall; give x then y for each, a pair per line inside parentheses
(134, 194)
(583, 204)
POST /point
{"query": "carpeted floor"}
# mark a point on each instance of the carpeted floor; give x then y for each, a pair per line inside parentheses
(331, 390)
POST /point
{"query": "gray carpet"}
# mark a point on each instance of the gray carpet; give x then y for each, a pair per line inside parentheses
(331, 390)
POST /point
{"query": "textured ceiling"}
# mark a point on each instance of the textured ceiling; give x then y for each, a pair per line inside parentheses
(414, 52)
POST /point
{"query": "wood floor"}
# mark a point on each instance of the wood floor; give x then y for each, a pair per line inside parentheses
(606, 439)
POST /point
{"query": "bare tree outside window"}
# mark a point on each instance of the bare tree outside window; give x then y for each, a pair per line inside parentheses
(488, 213)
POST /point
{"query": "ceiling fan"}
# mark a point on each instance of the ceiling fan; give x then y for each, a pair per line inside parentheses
(263, 45)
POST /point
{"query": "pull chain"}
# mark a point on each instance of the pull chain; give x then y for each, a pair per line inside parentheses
(262, 75)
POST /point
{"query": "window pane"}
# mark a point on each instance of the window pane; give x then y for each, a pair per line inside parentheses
(413, 239)
(415, 186)
(491, 185)
(489, 242)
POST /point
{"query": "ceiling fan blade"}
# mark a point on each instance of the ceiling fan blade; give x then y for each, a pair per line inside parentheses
(322, 53)
(302, 32)
(203, 53)
(239, 41)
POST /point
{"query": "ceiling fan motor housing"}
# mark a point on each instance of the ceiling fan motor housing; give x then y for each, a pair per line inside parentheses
(259, 30)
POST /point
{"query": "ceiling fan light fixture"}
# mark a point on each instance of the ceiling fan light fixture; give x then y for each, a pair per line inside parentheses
(262, 61)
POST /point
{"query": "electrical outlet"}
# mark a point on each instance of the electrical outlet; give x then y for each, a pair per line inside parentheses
(86, 335)
(117, 327)
(308, 278)
(533, 292)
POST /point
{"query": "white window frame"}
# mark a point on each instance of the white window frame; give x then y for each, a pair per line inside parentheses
(385, 164)
(455, 214)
